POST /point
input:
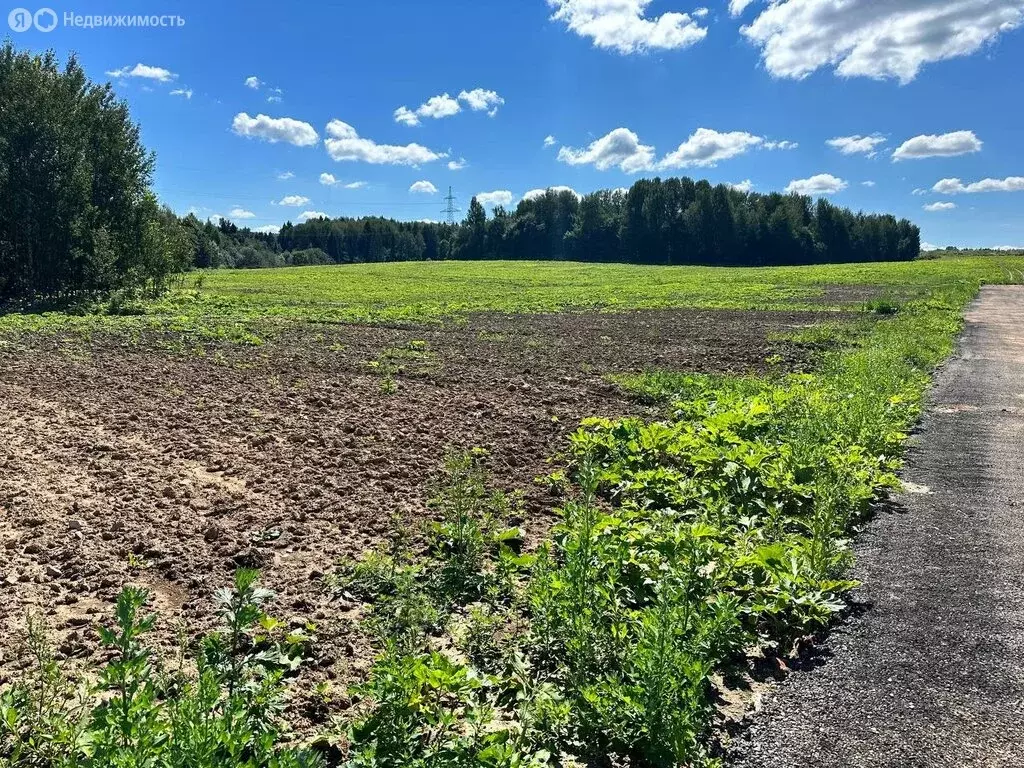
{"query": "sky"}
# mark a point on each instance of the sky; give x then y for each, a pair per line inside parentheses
(265, 112)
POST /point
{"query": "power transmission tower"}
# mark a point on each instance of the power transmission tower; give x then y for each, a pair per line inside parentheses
(450, 209)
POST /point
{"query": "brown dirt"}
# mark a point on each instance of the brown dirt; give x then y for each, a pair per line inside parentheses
(129, 462)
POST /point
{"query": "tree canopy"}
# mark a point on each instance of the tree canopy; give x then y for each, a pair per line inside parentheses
(76, 214)
(656, 221)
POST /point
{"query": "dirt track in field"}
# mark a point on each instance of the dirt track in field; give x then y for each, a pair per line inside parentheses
(129, 463)
(931, 673)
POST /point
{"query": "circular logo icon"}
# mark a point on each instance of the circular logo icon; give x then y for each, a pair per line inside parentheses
(45, 19)
(20, 19)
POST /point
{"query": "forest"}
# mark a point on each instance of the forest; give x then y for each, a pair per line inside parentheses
(675, 221)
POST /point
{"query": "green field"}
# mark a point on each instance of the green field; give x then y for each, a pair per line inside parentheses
(431, 290)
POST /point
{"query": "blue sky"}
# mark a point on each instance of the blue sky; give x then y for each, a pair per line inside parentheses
(717, 89)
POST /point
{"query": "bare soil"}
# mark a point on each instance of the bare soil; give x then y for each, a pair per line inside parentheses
(135, 461)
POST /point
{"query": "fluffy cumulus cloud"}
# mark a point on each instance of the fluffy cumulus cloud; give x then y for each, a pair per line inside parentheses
(742, 186)
(445, 105)
(935, 207)
(482, 100)
(737, 7)
(623, 25)
(145, 72)
(293, 200)
(275, 129)
(344, 143)
(241, 213)
(307, 215)
(423, 188)
(269, 229)
(457, 165)
(253, 82)
(286, 175)
(874, 38)
(534, 193)
(328, 180)
(498, 197)
(707, 147)
(957, 187)
(938, 145)
(620, 149)
(857, 145)
(550, 141)
(821, 184)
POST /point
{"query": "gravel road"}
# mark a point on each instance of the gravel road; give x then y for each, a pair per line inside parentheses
(932, 672)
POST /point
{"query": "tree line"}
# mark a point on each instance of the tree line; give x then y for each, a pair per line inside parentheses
(656, 221)
(77, 217)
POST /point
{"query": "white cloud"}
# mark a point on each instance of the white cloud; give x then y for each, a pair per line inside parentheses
(406, 116)
(867, 183)
(293, 200)
(345, 144)
(919, 191)
(480, 100)
(328, 180)
(857, 145)
(286, 175)
(439, 106)
(943, 145)
(875, 38)
(275, 129)
(550, 141)
(457, 165)
(445, 105)
(268, 229)
(423, 188)
(707, 147)
(253, 82)
(930, 247)
(700, 13)
(144, 71)
(273, 99)
(498, 197)
(737, 7)
(742, 186)
(307, 215)
(355, 185)
(621, 25)
(186, 92)
(956, 187)
(1008, 248)
(821, 184)
(241, 213)
(435, 107)
(781, 145)
(933, 207)
(533, 193)
(620, 148)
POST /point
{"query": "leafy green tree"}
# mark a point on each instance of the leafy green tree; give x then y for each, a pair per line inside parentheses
(76, 216)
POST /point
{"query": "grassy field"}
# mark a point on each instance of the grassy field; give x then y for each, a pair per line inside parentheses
(431, 290)
(691, 542)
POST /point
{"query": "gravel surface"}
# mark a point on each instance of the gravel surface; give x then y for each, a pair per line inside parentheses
(931, 672)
